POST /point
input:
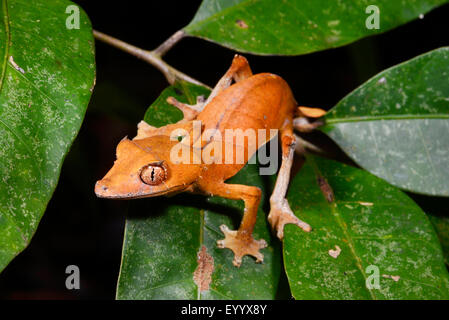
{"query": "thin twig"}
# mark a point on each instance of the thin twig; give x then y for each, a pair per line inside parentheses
(170, 73)
(169, 43)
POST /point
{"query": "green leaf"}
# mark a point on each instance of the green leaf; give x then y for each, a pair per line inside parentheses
(163, 236)
(46, 77)
(296, 27)
(441, 225)
(374, 224)
(396, 125)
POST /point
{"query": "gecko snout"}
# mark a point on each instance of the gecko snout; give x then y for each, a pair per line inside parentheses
(101, 189)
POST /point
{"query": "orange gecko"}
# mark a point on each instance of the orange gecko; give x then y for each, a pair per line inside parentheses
(145, 165)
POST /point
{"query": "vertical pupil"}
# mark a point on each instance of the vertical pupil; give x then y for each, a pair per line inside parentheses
(152, 174)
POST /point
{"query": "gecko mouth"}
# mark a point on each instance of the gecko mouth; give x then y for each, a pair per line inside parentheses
(103, 191)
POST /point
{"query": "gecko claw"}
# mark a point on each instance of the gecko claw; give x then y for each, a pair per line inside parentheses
(237, 261)
(220, 244)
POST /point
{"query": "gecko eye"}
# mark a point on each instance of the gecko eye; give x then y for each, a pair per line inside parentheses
(153, 174)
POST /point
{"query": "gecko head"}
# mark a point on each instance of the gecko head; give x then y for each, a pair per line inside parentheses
(144, 169)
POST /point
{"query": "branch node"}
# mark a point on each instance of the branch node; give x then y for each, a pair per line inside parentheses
(152, 57)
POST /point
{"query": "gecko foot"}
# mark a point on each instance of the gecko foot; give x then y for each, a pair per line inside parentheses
(280, 215)
(241, 244)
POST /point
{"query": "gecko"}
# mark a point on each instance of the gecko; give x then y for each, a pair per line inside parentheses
(144, 165)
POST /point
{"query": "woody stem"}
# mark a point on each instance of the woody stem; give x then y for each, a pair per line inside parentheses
(153, 57)
(169, 43)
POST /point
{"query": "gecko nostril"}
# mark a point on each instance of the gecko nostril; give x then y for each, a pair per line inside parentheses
(104, 188)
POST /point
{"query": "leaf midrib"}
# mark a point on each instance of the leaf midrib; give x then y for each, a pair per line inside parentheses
(351, 245)
(203, 226)
(8, 42)
(332, 206)
(202, 223)
(388, 117)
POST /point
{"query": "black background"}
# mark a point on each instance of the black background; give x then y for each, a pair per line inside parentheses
(80, 229)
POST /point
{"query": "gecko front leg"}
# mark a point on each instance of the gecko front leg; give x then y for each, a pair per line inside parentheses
(240, 241)
(144, 130)
(189, 111)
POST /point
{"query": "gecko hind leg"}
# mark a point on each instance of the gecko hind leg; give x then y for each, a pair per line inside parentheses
(280, 212)
(238, 71)
(303, 124)
(241, 241)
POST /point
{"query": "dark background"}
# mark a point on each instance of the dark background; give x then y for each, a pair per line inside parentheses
(79, 228)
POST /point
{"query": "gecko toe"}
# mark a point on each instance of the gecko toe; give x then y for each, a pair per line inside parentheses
(237, 261)
(262, 243)
(221, 244)
(241, 244)
(281, 215)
